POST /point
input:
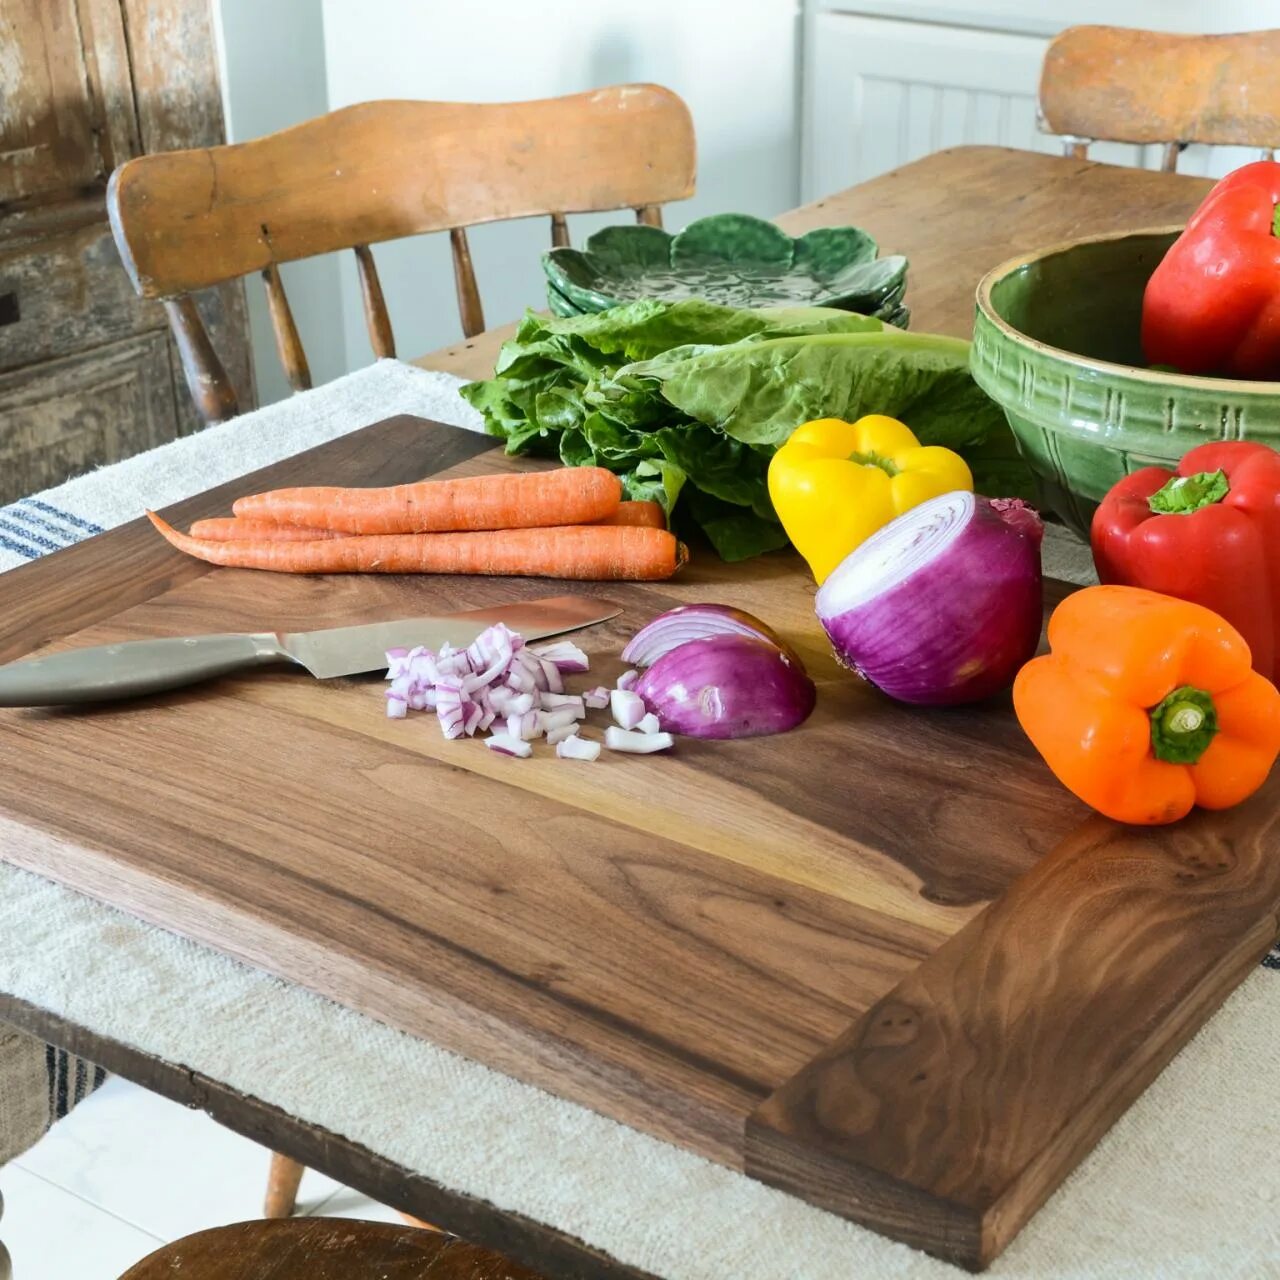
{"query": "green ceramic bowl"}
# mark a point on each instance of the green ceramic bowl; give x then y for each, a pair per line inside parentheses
(1056, 344)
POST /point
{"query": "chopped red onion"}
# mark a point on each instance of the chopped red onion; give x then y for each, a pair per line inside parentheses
(555, 719)
(628, 708)
(566, 655)
(627, 679)
(557, 701)
(597, 699)
(650, 724)
(524, 727)
(496, 680)
(641, 744)
(575, 748)
(506, 745)
(551, 673)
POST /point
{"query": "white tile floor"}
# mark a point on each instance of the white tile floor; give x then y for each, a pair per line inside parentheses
(128, 1171)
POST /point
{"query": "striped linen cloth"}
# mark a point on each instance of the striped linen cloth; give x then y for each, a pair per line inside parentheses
(40, 1083)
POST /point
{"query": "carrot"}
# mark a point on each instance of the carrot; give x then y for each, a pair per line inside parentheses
(246, 529)
(644, 515)
(566, 496)
(569, 551)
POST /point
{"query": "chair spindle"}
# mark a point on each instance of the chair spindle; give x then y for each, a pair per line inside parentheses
(649, 215)
(559, 231)
(288, 344)
(1169, 157)
(465, 277)
(1076, 148)
(375, 305)
(211, 389)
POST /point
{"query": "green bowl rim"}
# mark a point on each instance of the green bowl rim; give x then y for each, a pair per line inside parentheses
(1193, 382)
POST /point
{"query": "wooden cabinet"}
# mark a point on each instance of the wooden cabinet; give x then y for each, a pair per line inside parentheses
(87, 374)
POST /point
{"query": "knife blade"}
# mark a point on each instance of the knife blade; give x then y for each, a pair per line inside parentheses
(136, 667)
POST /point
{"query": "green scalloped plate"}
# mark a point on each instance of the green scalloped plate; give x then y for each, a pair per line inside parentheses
(730, 258)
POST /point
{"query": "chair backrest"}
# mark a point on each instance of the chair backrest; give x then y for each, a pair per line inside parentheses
(1116, 84)
(378, 171)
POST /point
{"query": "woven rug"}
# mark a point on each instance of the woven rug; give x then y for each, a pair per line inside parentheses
(1185, 1185)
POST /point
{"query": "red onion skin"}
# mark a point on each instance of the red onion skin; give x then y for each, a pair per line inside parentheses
(977, 606)
(689, 618)
(727, 687)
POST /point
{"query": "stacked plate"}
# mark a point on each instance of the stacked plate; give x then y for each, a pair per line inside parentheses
(729, 258)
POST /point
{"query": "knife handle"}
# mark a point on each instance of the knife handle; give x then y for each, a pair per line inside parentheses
(133, 668)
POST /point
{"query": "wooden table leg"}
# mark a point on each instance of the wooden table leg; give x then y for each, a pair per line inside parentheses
(282, 1187)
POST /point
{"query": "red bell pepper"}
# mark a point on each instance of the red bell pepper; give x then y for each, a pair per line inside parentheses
(1213, 303)
(1208, 533)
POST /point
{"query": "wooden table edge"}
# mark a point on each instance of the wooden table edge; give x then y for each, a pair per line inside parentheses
(538, 1245)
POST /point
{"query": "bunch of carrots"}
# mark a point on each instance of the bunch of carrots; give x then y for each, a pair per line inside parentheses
(567, 523)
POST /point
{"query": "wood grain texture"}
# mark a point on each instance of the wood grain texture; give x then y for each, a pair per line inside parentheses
(544, 924)
(376, 318)
(88, 83)
(65, 416)
(288, 344)
(283, 1180)
(951, 1110)
(673, 965)
(464, 275)
(187, 220)
(382, 170)
(1122, 85)
(212, 391)
(955, 214)
(547, 1249)
(323, 1249)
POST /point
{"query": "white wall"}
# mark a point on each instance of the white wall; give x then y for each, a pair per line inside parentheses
(272, 63)
(733, 61)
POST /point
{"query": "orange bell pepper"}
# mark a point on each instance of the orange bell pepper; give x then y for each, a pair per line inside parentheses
(1146, 705)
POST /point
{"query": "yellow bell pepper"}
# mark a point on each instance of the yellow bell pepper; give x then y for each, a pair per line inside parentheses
(834, 483)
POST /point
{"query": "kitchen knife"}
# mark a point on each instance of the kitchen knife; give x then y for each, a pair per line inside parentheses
(137, 667)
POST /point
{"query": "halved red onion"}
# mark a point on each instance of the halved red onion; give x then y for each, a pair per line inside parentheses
(943, 604)
(727, 686)
(697, 622)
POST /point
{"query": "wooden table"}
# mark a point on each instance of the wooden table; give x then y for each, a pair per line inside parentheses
(955, 215)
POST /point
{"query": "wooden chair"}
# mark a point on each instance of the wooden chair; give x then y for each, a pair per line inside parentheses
(1115, 84)
(185, 220)
(323, 1249)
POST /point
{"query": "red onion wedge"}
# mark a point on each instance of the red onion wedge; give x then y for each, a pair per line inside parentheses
(943, 604)
(697, 622)
(727, 686)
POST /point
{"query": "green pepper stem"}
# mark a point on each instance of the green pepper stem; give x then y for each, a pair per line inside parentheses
(875, 460)
(1185, 494)
(1275, 221)
(1182, 725)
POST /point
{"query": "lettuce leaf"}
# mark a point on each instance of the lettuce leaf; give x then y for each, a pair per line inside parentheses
(687, 402)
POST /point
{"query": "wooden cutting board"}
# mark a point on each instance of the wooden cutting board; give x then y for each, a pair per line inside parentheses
(884, 962)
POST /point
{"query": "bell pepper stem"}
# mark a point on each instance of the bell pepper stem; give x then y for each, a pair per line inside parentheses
(872, 459)
(1185, 494)
(1182, 725)
(1275, 221)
